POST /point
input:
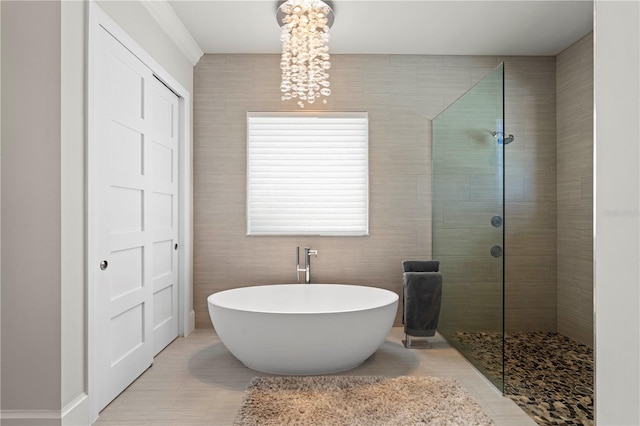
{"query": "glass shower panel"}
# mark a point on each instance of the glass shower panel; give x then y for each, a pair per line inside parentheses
(468, 223)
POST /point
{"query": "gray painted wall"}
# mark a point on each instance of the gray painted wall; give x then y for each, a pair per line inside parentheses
(402, 95)
(44, 345)
(574, 77)
(31, 309)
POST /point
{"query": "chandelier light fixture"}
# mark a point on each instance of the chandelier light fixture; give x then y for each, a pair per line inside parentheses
(305, 52)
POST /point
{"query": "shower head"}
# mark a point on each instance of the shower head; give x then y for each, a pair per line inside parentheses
(502, 138)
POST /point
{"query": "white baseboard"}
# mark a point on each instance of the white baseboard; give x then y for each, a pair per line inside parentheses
(30, 418)
(192, 323)
(76, 413)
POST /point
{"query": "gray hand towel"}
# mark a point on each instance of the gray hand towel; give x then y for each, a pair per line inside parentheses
(421, 265)
(422, 300)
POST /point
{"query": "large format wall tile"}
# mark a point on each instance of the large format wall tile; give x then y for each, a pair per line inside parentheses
(402, 94)
(574, 80)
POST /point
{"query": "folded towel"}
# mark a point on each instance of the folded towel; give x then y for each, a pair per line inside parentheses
(422, 300)
(420, 265)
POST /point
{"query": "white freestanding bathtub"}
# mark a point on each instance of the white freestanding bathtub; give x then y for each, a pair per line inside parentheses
(303, 329)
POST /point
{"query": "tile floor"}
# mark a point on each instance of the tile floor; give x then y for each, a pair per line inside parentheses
(195, 381)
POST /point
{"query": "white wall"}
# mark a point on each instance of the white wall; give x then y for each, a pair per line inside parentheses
(73, 293)
(616, 203)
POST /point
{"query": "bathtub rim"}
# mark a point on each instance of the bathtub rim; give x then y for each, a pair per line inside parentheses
(323, 312)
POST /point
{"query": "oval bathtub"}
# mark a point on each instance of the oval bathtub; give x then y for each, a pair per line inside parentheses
(303, 329)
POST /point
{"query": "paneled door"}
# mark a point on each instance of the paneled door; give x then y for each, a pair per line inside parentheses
(163, 216)
(134, 191)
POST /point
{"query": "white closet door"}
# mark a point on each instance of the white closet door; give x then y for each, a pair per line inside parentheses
(163, 216)
(123, 305)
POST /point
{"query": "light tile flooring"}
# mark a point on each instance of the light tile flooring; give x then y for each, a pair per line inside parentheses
(195, 381)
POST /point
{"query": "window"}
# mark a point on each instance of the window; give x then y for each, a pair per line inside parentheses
(307, 174)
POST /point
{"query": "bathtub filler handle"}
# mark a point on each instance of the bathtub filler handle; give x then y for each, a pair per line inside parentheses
(308, 252)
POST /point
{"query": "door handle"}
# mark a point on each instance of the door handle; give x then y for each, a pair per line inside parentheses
(103, 265)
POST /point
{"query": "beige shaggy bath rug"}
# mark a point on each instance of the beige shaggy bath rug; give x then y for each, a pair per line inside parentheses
(358, 400)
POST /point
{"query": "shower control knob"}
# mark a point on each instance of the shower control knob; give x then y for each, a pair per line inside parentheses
(496, 251)
(103, 265)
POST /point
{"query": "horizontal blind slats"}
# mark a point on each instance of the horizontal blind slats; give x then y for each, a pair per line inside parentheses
(307, 174)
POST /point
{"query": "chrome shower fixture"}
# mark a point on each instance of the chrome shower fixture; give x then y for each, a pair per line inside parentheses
(502, 138)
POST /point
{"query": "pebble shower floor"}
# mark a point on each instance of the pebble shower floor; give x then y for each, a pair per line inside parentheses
(547, 374)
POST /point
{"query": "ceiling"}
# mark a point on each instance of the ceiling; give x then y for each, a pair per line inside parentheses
(451, 27)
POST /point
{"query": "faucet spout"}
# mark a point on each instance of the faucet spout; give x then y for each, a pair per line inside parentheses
(307, 256)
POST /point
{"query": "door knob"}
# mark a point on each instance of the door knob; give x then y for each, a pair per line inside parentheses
(103, 265)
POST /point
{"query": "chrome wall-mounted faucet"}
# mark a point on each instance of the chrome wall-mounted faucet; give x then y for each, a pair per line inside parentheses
(307, 254)
(307, 263)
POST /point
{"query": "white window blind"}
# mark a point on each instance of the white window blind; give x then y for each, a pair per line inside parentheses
(307, 174)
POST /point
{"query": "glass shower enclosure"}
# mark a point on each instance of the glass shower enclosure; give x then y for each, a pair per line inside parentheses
(468, 223)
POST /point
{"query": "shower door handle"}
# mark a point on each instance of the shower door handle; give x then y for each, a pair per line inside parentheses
(496, 251)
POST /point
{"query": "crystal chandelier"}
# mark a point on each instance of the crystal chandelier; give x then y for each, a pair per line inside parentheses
(305, 53)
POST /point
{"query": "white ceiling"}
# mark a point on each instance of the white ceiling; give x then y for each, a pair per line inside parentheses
(445, 27)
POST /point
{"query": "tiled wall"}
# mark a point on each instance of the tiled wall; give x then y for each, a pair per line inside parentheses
(530, 194)
(575, 190)
(402, 95)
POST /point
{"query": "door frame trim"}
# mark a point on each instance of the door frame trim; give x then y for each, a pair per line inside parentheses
(99, 20)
